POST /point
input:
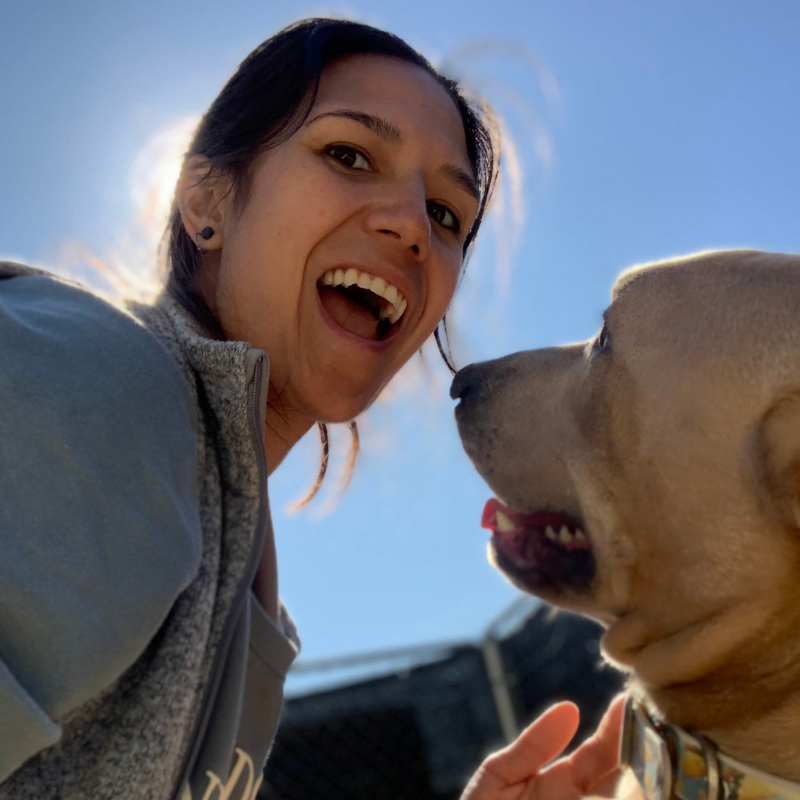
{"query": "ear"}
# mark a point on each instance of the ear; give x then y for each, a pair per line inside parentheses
(202, 200)
(778, 454)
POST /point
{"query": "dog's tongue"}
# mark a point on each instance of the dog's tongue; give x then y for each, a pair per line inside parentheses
(501, 519)
(351, 316)
(489, 518)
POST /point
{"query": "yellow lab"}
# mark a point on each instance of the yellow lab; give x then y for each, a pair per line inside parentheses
(650, 478)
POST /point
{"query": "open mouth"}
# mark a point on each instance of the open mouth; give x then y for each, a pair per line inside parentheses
(543, 552)
(362, 304)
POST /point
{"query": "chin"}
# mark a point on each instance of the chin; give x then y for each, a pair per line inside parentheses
(344, 408)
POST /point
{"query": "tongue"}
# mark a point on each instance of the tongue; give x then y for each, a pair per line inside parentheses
(351, 316)
(489, 518)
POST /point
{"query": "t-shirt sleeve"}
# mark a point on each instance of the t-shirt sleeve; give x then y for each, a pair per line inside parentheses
(99, 518)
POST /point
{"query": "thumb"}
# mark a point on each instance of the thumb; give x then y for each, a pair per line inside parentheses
(598, 757)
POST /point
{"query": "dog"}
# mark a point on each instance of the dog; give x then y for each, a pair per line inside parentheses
(650, 478)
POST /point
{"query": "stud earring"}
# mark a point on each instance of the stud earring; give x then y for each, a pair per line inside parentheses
(204, 234)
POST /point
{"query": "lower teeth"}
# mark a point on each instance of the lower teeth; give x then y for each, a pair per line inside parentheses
(384, 326)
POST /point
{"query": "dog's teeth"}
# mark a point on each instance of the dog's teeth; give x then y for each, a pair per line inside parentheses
(550, 533)
(580, 535)
(378, 286)
(338, 277)
(504, 524)
(327, 278)
(390, 293)
(564, 535)
(402, 307)
(364, 281)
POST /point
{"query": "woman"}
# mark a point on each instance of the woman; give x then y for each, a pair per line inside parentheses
(320, 226)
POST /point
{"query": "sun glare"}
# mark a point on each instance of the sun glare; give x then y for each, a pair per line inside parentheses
(155, 172)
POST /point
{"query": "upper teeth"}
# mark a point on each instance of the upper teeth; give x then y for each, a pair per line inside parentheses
(504, 524)
(379, 286)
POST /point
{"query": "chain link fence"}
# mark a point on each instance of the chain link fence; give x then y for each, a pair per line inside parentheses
(418, 728)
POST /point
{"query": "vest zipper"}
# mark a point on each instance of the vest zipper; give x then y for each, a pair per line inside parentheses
(256, 367)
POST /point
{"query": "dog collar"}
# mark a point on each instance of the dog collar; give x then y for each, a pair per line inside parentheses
(670, 763)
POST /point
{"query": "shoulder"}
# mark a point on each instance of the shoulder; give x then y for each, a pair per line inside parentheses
(85, 380)
(71, 362)
(83, 342)
(99, 513)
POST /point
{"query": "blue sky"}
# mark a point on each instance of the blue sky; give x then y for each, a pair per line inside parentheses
(675, 128)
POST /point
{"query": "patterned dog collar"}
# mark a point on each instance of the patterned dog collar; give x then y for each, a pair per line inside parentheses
(671, 764)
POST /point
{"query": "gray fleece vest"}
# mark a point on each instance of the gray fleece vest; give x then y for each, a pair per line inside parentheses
(142, 735)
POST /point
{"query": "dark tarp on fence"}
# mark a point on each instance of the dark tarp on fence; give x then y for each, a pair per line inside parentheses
(420, 733)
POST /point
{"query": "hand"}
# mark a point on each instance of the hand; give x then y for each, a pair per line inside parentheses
(521, 772)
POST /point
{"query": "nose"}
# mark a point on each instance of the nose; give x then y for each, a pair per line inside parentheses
(405, 219)
(464, 382)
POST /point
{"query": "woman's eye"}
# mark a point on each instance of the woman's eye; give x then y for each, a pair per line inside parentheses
(348, 157)
(444, 216)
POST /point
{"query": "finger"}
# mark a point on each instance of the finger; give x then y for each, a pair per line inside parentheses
(542, 741)
(598, 756)
(608, 786)
(557, 783)
(554, 783)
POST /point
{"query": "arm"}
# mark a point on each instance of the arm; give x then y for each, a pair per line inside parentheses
(99, 523)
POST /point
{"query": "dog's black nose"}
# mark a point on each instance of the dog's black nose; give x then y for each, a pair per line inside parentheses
(461, 385)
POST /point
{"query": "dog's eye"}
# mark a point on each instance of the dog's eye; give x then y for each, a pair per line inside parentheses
(602, 341)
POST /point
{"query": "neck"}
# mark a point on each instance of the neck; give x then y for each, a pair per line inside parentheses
(736, 680)
(767, 741)
(282, 432)
(756, 722)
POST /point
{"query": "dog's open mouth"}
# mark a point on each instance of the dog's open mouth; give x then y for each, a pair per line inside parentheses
(363, 305)
(542, 553)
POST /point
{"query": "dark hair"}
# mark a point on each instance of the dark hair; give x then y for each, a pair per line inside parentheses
(264, 103)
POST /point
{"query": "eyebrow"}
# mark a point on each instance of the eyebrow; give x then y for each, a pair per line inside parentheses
(389, 132)
(378, 125)
(464, 180)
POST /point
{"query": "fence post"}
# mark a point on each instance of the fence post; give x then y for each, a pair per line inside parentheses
(498, 680)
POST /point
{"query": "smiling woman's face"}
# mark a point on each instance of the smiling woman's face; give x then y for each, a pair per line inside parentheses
(375, 187)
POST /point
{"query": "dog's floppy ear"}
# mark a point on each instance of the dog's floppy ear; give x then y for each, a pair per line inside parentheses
(778, 453)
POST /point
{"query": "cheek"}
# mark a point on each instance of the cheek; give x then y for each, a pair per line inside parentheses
(292, 206)
(270, 243)
(444, 279)
(307, 199)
